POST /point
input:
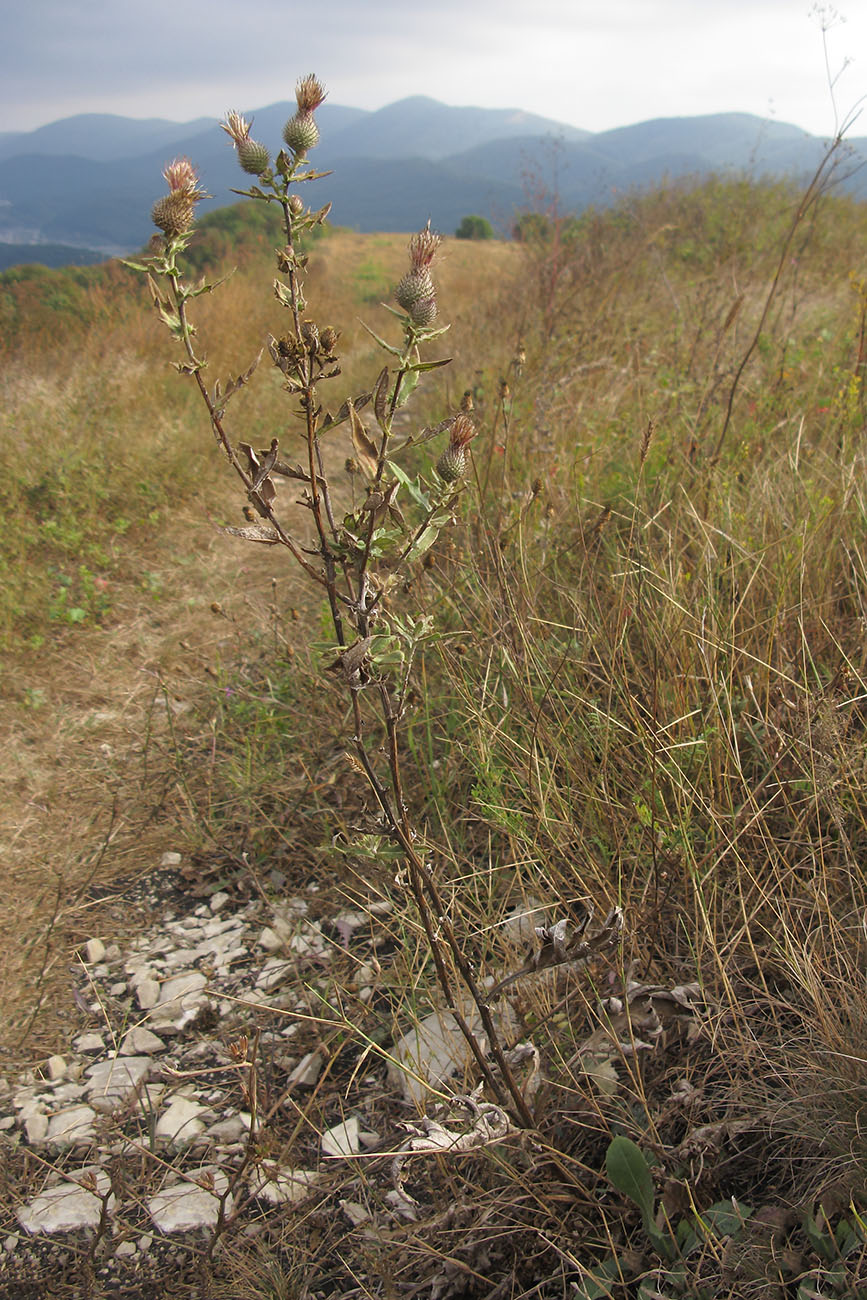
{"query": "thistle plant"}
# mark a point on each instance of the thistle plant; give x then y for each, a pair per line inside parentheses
(356, 558)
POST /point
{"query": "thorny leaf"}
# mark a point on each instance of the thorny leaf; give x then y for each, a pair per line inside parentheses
(637, 1021)
(283, 295)
(222, 396)
(288, 471)
(386, 347)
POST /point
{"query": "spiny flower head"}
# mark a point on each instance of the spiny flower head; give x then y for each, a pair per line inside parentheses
(453, 461)
(253, 157)
(416, 292)
(301, 132)
(174, 213)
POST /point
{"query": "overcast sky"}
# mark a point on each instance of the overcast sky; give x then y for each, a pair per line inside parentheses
(592, 63)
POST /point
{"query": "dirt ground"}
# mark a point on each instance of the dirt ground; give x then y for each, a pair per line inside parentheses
(90, 789)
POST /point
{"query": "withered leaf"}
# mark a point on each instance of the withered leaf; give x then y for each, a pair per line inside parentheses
(365, 449)
(351, 659)
(253, 533)
(266, 465)
(332, 421)
(380, 398)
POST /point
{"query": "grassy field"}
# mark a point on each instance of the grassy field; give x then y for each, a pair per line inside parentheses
(648, 692)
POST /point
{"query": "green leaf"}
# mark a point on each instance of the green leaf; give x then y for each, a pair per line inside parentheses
(412, 487)
(821, 1241)
(395, 352)
(627, 1169)
(408, 385)
(594, 1283)
(421, 366)
(135, 266)
(422, 543)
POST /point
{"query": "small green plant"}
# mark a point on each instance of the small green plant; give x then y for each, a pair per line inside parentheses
(629, 1172)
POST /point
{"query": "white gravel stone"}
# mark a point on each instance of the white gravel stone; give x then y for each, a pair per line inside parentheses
(187, 985)
(66, 1207)
(270, 940)
(431, 1052)
(279, 1185)
(180, 1123)
(112, 1081)
(94, 951)
(307, 1071)
(89, 1043)
(124, 1248)
(218, 901)
(342, 1139)
(171, 860)
(139, 1041)
(188, 1206)
(232, 1129)
(71, 1125)
(55, 1067)
(36, 1128)
(147, 993)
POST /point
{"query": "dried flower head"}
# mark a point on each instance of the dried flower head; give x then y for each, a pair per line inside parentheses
(237, 127)
(462, 431)
(309, 94)
(181, 176)
(423, 248)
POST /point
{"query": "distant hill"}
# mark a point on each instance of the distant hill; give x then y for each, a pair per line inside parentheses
(88, 182)
(51, 255)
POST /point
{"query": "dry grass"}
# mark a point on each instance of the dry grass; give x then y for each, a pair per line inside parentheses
(650, 693)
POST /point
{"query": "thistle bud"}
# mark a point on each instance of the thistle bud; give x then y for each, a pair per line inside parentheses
(173, 214)
(301, 133)
(415, 293)
(424, 312)
(296, 205)
(451, 464)
(414, 288)
(253, 157)
(329, 339)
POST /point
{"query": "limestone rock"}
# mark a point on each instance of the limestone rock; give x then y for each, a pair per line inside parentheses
(67, 1206)
(190, 1205)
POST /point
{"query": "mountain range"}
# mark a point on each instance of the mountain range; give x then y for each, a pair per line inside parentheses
(88, 182)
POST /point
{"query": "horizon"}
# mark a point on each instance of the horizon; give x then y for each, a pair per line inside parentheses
(513, 108)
